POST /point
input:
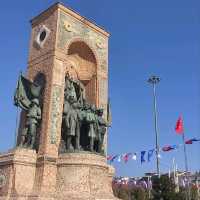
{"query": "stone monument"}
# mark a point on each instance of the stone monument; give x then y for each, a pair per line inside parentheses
(61, 146)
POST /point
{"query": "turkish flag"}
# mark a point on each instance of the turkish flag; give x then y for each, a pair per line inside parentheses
(167, 148)
(188, 142)
(179, 126)
(191, 141)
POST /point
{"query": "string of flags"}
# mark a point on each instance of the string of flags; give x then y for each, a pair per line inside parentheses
(144, 182)
(131, 182)
(147, 155)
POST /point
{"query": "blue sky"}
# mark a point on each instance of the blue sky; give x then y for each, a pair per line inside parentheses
(147, 37)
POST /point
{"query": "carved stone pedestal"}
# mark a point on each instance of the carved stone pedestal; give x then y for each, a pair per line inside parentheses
(17, 169)
(71, 176)
(83, 176)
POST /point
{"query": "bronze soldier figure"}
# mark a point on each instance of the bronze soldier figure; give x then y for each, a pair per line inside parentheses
(90, 120)
(71, 122)
(32, 121)
(101, 129)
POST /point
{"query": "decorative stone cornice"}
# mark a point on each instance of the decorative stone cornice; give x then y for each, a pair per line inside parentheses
(58, 6)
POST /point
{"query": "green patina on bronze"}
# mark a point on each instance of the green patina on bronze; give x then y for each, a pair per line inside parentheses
(27, 97)
(83, 126)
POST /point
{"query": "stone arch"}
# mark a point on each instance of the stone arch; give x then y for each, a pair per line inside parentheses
(86, 42)
(83, 67)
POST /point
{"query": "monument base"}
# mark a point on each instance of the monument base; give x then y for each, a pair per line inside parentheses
(17, 173)
(83, 176)
(71, 176)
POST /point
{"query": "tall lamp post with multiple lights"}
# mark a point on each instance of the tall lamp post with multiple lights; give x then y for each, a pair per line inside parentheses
(155, 80)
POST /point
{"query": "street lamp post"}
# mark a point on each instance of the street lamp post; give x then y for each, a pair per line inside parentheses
(154, 80)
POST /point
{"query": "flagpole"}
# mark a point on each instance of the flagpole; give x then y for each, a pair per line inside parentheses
(185, 153)
(17, 117)
(149, 189)
(186, 166)
(180, 130)
(154, 80)
(16, 126)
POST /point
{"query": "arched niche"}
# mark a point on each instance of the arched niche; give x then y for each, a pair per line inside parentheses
(84, 68)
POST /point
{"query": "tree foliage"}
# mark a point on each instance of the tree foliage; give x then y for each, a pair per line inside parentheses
(136, 193)
(163, 188)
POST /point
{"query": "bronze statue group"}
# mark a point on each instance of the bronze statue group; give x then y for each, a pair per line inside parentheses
(83, 127)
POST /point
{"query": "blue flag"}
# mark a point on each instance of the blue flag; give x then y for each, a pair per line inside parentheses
(142, 156)
(113, 158)
(150, 154)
